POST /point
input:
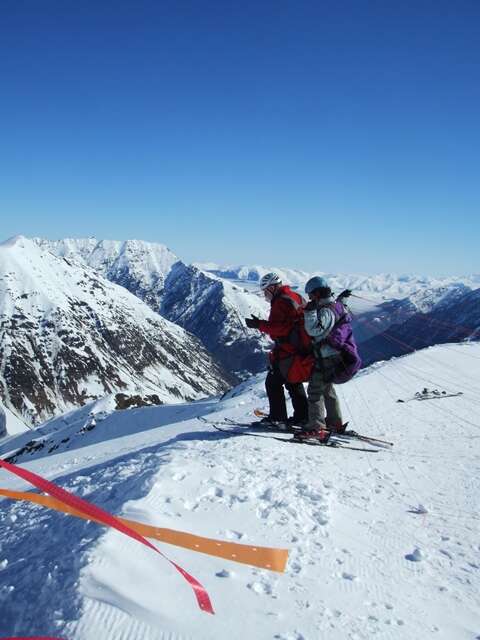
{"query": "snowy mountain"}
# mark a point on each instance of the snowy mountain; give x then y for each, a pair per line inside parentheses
(455, 317)
(380, 286)
(214, 310)
(68, 336)
(395, 312)
(141, 267)
(208, 306)
(252, 274)
(381, 545)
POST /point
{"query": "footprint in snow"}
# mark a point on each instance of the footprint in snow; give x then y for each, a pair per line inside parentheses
(266, 495)
(224, 574)
(320, 517)
(232, 535)
(416, 556)
(262, 588)
(190, 505)
(349, 576)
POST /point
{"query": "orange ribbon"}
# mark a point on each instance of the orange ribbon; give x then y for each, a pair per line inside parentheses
(263, 557)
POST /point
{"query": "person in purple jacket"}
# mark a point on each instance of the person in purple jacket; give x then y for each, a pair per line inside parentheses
(328, 322)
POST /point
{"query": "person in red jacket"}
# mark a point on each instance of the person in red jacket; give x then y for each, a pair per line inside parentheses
(286, 312)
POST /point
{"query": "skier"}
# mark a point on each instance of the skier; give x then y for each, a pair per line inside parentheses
(284, 326)
(327, 321)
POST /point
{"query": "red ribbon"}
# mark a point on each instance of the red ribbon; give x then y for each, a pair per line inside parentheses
(106, 518)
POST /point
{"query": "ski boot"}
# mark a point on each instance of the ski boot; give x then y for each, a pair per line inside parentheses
(275, 425)
(322, 435)
(337, 426)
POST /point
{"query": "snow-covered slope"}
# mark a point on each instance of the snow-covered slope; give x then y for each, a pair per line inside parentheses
(10, 424)
(68, 336)
(382, 545)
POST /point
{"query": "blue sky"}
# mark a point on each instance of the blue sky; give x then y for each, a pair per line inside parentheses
(336, 136)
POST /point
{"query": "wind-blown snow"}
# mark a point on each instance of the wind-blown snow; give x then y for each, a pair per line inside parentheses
(382, 545)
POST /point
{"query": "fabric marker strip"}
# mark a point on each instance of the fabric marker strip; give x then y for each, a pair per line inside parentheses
(95, 513)
(262, 557)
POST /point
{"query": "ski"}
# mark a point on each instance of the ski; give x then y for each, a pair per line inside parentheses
(432, 395)
(335, 444)
(256, 426)
(440, 396)
(349, 433)
(359, 436)
(241, 432)
(226, 422)
(260, 427)
(331, 444)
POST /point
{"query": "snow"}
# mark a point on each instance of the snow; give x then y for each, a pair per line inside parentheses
(382, 545)
(11, 423)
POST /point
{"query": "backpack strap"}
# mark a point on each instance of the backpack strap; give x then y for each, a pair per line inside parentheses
(296, 305)
(340, 319)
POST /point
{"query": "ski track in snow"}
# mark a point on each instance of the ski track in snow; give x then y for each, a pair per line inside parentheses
(384, 546)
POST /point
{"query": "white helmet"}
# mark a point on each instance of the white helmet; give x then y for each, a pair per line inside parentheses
(269, 280)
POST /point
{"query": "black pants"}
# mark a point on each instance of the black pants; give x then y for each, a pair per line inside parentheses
(274, 384)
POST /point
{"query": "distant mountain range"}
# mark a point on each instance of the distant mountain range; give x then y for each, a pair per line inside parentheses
(80, 318)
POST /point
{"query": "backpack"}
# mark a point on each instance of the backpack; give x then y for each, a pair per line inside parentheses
(303, 361)
(300, 345)
(341, 338)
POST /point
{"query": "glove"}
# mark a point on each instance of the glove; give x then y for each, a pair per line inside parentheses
(345, 294)
(311, 306)
(253, 322)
